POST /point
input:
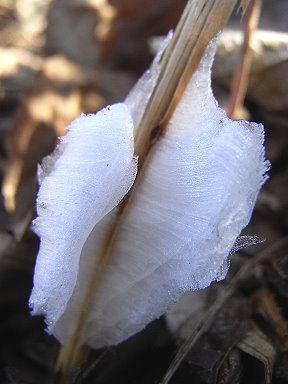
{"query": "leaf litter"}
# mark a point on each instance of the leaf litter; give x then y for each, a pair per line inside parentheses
(147, 358)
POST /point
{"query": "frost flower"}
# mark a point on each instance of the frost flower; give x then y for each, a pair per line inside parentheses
(195, 195)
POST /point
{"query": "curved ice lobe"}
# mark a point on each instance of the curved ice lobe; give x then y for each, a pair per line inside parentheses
(90, 171)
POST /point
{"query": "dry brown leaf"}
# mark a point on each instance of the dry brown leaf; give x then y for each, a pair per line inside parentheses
(60, 92)
(271, 312)
(257, 344)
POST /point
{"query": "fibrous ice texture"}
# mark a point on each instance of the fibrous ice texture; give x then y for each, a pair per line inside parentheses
(195, 196)
(90, 171)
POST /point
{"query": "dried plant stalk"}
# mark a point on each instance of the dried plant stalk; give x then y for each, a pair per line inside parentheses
(241, 76)
(200, 21)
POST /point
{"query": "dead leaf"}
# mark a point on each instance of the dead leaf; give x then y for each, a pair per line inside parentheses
(257, 344)
(60, 92)
(269, 309)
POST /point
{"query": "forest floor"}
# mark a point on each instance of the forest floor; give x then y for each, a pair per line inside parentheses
(59, 58)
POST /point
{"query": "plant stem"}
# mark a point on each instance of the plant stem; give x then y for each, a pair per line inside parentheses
(241, 76)
(200, 21)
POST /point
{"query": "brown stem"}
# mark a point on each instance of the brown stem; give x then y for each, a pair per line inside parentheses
(241, 76)
(200, 21)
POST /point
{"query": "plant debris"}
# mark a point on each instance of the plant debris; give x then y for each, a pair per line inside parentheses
(237, 332)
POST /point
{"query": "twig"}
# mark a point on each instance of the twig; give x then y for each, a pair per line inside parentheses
(241, 76)
(205, 322)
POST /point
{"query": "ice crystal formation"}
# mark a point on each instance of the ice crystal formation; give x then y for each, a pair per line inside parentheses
(195, 196)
